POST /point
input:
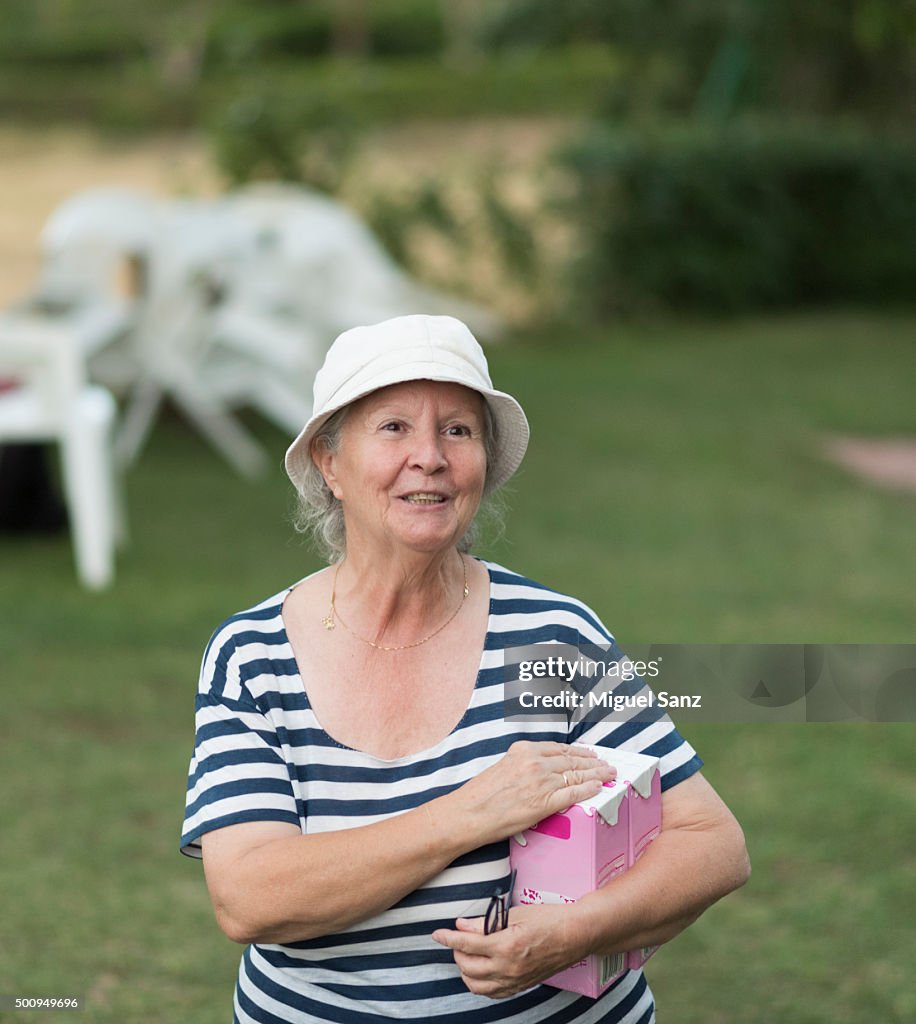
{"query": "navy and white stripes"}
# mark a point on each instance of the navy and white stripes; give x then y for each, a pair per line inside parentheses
(261, 755)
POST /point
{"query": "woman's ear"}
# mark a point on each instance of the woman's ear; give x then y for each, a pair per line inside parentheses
(326, 461)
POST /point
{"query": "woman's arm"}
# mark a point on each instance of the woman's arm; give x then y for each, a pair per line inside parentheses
(699, 857)
(270, 883)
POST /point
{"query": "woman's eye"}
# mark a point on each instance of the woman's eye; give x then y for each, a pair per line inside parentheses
(393, 426)
(459, 430)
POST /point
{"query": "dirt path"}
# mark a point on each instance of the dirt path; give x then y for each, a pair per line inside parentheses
(888, 462)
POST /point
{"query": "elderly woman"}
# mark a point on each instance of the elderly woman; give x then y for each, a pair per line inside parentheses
(354, 781)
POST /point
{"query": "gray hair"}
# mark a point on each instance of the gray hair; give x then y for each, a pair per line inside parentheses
(320, 513)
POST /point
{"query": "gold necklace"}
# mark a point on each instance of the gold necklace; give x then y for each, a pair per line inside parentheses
(328, 620)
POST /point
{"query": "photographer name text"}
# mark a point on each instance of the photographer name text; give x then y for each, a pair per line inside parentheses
(570, 700)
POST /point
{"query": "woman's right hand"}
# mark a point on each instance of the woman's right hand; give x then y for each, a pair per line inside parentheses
(533, 780)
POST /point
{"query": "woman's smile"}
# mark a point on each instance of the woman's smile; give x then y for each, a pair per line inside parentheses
(424, 498)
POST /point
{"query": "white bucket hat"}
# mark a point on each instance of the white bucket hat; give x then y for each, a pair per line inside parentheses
(418, 347)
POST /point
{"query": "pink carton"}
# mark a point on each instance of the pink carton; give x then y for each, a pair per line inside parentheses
(572, 853)
(644, 800)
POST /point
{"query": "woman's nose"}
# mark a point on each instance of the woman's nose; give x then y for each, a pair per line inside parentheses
(428, 453)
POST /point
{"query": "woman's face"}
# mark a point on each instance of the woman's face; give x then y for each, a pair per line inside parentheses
(410, 467)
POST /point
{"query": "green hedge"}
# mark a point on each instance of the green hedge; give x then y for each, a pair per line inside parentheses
(254, 29)
(132, 98)
(736, 218)
(43, 33)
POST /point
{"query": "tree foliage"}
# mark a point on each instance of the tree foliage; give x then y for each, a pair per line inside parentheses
(720, 56)
(824, 55)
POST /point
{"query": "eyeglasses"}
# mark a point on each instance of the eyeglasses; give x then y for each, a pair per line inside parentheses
(497, 916)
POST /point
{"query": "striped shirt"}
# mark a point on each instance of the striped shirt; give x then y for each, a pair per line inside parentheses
(261, 755)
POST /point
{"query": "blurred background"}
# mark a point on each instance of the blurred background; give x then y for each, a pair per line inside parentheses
(685, 232)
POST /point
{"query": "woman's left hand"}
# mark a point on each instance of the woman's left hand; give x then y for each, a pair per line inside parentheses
(537, 943)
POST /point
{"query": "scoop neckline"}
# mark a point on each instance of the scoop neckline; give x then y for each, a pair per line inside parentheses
(405, 758)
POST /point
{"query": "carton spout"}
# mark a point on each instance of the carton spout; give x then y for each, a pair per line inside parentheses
(636, 769)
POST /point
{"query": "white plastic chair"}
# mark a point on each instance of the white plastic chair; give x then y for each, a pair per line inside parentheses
(235, 303)
(94, 249)
(173, 337)
(53, 403)
(334, 271)
(201, 342)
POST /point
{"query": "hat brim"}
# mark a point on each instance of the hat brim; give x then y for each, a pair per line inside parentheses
(510, 422)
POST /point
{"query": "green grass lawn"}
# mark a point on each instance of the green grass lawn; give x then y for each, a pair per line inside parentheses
(673, 483)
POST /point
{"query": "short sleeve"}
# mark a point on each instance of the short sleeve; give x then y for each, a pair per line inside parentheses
(645, 732)
(237, 771)
(659, 738)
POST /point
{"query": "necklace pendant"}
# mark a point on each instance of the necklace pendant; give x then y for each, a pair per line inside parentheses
(328, 622)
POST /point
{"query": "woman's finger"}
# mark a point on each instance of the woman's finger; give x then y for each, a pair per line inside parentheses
(576, 776)
(566, 762)
(569, 750)
(550, 748)
(470, 943)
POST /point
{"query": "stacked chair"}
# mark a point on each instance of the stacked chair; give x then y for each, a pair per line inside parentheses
(52, 402)
(209, 304)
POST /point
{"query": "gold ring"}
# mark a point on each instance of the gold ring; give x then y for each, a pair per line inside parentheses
(565, 780)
